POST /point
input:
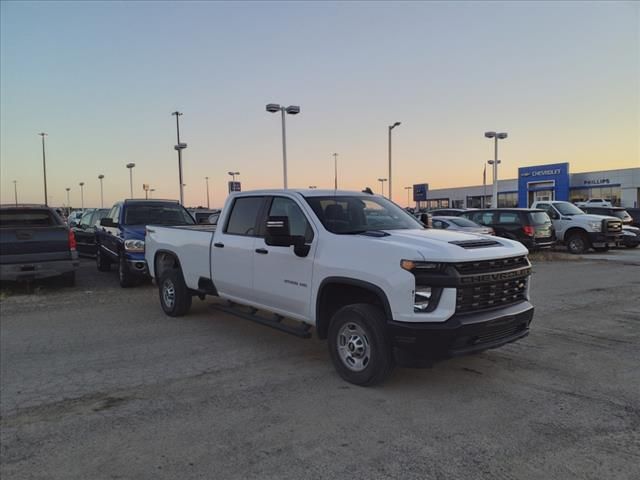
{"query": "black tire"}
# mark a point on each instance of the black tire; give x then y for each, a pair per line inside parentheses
(366, 357)
(578, 243)
(601, 249)
(68, 279)
(175, 298)
(125, 276)
(102, 262)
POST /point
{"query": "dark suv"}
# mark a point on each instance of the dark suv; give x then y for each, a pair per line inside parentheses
(531, 227)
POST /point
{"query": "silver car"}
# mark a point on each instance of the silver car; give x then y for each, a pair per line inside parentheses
(461, 224)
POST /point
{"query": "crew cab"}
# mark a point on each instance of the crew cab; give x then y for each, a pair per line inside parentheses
(580, 231)
(361, 270)
(35, 243)
(119, 235)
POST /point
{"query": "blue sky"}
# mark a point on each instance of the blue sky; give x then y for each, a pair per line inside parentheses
(103, 77)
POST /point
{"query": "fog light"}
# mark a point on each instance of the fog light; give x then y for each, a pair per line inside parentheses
(422, 298)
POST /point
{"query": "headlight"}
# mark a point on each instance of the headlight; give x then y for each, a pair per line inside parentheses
(413, 266)
(596, 226)
(421, 299)
(134, 245)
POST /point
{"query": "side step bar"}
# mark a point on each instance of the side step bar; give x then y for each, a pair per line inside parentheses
(303, 331)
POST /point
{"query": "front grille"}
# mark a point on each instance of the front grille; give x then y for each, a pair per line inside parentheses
(492, 295)
(488, 266)
(613, 226)
(476, 243)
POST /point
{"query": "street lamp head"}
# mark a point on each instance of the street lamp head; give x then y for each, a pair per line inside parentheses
(81, 184)
(131, 165)
(67, 189)
(180, 146)
(382, 179)
(293, 109)
(43, 134)
(273, 107)
(397, 124)
(489, 134)
(502, 135)
(100, 176)
(176, 113)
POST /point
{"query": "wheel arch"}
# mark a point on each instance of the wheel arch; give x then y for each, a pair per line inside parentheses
(163, 260)
(336, 292)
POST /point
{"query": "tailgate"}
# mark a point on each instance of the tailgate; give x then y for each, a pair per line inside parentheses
(34, 244)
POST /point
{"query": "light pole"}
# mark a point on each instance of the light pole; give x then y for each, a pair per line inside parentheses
(382, 180)
(15, 190)
(391, 127)
(130, 167)
(291, 110)
(207, 180)
(494, 163)
(179, 147)
(44, 168)
(408, 189)
(81, 195)
(151, 190)
(100, 177)
(335, 169)
(68, 202)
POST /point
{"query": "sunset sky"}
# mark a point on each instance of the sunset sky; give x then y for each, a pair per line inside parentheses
(102, 78)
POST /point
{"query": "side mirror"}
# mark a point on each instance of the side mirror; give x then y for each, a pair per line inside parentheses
(279, 235)
(107, 222)
(277, 232)
(554, 215)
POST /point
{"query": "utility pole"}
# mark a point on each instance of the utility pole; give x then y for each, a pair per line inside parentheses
(207, 180)
(44, 168)
(335, 168)
(15, 190)
(179, 147)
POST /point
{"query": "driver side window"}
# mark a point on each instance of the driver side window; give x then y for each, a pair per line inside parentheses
(298, 223)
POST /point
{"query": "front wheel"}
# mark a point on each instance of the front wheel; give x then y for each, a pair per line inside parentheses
(358, 344)
(175, 298)
(125, 276)
(577, 243)
(102, 262)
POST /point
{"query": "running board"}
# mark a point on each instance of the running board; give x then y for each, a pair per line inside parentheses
(303, 331)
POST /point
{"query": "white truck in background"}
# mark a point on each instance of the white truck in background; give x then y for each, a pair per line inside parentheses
(581, 231)
(362, 271)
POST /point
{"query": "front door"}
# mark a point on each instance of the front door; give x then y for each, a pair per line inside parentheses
(282, 280)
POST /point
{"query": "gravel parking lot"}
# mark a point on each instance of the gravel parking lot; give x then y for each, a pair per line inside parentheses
(97, 383)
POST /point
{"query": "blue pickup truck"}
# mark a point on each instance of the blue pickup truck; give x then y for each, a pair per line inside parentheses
(120, 235)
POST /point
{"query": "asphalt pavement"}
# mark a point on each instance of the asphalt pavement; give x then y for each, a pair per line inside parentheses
(97, 383)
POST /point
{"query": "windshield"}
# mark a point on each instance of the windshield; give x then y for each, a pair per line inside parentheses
(463, 222)
(568, 209)
(149, 214)
(357, 214)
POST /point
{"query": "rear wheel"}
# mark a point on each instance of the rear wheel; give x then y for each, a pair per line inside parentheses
(102, 262)
(358, 344)
(125, 276)
(577, 243)
(175, 298)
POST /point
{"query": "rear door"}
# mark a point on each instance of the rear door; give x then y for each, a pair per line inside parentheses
(232, 253)
(508, 225)
(281, 279)
(110, 235)
(84, 233)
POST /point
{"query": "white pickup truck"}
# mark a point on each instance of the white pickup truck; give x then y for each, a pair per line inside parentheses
(581, 231)
(362, 271)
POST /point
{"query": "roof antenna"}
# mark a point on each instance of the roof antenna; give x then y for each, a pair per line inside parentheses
(368, 190)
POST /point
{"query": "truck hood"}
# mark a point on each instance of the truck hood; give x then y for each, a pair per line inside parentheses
(588, 217)
(133, 232)
(436, 245)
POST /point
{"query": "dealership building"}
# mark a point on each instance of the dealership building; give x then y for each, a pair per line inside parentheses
(544, 183)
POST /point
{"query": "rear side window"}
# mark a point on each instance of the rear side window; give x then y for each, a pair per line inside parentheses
(509, 217)
(539, 218)
(244, 216)
(484, 218)
(27, 218)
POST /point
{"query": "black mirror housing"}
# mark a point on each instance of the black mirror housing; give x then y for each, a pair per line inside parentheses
(107, 222)
(277, 232)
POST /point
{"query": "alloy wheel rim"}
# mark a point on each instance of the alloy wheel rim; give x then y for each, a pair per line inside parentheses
(353, 347)
(168, 293)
